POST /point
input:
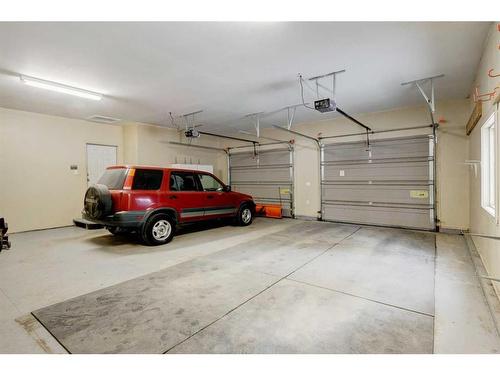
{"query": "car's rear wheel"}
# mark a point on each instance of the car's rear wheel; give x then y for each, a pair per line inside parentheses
(158, 230)
(245, 215)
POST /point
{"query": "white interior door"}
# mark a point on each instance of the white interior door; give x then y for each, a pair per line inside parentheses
(99, 157)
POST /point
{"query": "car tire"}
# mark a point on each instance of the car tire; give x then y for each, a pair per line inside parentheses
(245, 215)
(97, 202)
(158, 230)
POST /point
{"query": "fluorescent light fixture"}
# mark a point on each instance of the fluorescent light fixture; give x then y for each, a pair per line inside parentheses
(58, 87)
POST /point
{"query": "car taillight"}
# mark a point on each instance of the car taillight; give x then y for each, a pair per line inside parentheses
(129, 180)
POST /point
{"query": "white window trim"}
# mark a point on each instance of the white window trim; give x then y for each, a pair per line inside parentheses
(489, 172)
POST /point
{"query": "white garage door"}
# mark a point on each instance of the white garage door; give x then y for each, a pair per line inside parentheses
(390, 184)
(267, 176)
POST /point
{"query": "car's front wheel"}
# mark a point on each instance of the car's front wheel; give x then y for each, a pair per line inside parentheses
(158, 230)
(245, 215)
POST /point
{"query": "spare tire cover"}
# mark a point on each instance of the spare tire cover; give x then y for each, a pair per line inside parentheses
(97, 202)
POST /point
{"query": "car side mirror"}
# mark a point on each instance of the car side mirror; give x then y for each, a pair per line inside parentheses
(227, 188)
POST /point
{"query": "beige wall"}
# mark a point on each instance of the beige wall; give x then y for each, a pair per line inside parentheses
(481, 221)
(37, 188)
(452, 181)
(154, 149)
(149, 145)
(54, 143)
(130, 143)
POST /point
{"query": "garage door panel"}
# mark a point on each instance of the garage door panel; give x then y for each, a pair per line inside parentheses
(389, 216)
(390, 184)
(269, 194)
(396, 171)
(263, 158)
(401, 148)
(265, 191)
(387, 149)
(267, 176)
(413, 194)
(278, 175)
(343, 152)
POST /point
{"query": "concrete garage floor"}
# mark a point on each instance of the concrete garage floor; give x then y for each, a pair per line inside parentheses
(278, 286)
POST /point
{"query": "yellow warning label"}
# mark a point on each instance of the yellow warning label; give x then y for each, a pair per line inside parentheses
(419, 194)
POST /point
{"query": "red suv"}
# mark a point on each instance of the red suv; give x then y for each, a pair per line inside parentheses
(152, 201)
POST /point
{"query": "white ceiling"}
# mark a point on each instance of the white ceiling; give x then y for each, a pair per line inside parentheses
(231, 69)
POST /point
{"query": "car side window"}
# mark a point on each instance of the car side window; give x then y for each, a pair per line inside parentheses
(147, 179)
(209, 183)
(183, 181)
(174, 182)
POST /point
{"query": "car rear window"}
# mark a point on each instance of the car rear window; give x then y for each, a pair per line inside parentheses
(147, 179)
(113, 178)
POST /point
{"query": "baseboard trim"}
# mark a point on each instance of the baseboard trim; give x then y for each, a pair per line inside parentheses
(450, 230)
(492, 298)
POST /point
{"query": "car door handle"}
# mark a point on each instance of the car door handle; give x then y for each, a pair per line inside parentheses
(210, 197)
(172, 197)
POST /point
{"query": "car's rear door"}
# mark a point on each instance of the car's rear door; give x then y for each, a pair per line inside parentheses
(218, 203)
(185, 194)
